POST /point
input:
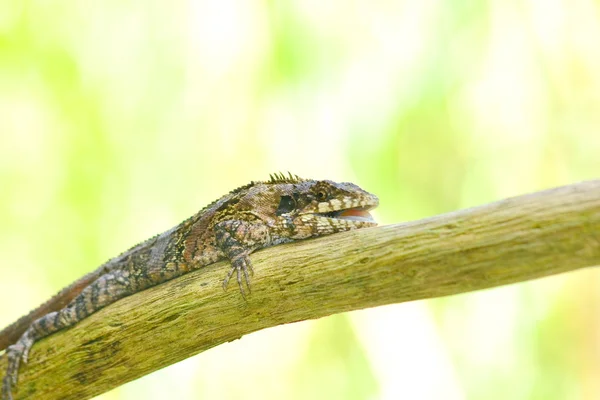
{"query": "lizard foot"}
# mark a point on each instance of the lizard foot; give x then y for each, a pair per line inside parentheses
(15, 353)
(241, 265)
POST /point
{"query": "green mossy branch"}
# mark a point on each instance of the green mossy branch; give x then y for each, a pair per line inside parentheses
(509, 241)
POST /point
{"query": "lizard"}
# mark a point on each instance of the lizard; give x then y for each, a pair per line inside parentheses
(283, 209)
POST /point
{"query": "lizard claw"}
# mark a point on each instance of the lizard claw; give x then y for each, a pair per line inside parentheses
(226, 280)
(6, 388)
(14, 359)
(247, 266)
(240, 265)
(25, 351)
(16, 354)
(239, 279)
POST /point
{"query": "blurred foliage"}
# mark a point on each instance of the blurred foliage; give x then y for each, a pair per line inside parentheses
(119, 119)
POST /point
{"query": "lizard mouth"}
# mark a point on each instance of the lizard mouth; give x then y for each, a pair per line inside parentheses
(357, 214)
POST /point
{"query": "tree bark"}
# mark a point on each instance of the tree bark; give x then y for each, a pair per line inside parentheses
(509, 241)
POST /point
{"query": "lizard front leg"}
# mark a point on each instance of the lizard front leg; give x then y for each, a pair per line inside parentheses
(237, 239)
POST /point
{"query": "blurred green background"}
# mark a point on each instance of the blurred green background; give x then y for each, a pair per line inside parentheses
(120, 119)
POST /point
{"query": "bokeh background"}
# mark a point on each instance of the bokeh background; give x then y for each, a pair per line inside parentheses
(118, 119)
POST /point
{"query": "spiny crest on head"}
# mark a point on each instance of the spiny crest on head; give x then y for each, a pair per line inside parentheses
(274, 178)
(282, 178)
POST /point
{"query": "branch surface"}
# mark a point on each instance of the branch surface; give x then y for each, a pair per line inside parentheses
(509, 241)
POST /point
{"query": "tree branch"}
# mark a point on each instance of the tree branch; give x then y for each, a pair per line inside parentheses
(509, 241)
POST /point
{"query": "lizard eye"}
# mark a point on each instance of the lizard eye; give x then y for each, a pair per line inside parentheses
(287, 204)
(322, 195)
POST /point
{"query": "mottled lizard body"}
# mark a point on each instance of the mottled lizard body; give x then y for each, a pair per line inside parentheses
(258, 215)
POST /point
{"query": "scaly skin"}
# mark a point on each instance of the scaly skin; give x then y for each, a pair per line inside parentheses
(258, 215)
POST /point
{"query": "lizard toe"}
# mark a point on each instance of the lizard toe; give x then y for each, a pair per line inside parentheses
(6, 388)
(238, 270)
(226, 280)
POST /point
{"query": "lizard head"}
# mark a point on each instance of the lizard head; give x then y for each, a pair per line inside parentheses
(307, 208)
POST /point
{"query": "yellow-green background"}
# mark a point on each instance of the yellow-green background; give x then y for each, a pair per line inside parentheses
(119, 119)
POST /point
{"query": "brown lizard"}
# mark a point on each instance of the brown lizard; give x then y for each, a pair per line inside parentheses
(254, 216)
